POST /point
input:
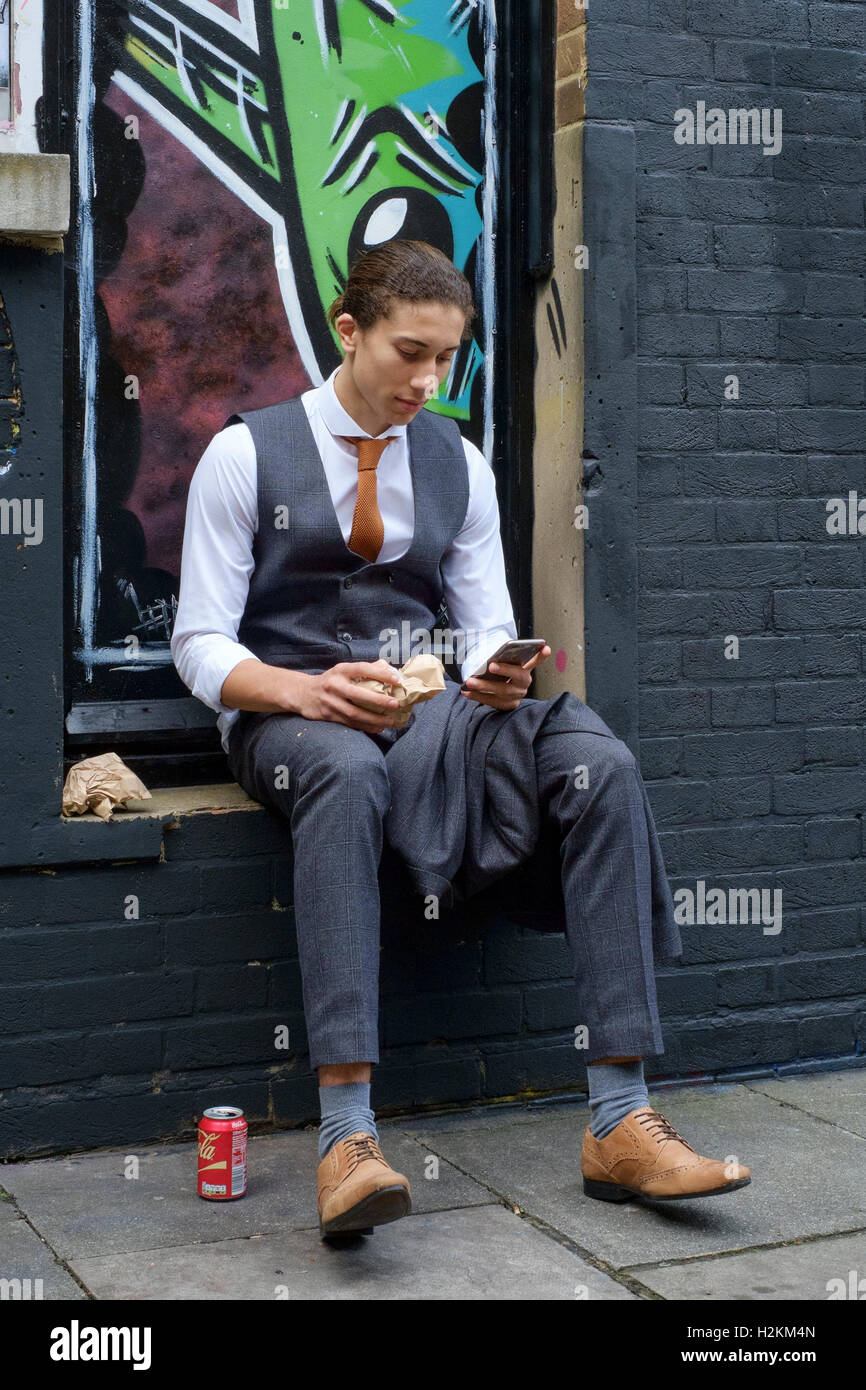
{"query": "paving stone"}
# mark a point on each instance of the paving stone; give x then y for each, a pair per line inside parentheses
(801, 1183)
(25, 1258)
(485, 1253)
(7, 1209)
(84, 1205)
(789, 1272)
(838, 1097)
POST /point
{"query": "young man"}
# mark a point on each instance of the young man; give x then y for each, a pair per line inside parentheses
(306, 543)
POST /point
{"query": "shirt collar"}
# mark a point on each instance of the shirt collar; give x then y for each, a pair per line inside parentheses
(338, 420)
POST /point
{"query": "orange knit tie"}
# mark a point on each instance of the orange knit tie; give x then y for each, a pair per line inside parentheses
(368, 531)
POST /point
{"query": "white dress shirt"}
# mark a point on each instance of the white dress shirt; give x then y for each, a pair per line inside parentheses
(222, 519)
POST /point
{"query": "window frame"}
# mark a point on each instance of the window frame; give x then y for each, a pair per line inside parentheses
(523, 254)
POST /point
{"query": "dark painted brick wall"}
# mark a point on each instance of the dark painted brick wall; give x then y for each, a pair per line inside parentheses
(751, 265)
(117, 1029)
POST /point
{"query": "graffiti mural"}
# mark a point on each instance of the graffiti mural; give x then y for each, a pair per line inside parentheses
(233, 158)
(11, 401)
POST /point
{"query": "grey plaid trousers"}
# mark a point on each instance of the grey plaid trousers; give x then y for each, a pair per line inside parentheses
(335, 802)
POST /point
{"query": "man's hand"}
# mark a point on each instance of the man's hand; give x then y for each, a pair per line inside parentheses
(331, 695)
(497, 693)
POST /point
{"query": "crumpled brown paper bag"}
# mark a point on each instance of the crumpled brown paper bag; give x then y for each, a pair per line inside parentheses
(98, 784)
(422, 678)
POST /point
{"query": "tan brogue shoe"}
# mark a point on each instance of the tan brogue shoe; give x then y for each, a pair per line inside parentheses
(358, 1189)
(645, 1157)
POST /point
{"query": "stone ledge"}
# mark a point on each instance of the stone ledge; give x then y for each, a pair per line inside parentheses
(34, 194)
(134, 832)
(180, 801)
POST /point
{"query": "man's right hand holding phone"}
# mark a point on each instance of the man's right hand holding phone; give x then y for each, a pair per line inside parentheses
(508, 683)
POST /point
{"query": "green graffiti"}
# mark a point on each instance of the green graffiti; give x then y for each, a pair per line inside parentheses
(337, 117)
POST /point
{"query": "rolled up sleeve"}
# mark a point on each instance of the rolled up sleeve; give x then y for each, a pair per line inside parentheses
(473, 572)
(216, 564)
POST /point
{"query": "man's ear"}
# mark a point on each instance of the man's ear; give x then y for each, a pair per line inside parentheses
(348, 331)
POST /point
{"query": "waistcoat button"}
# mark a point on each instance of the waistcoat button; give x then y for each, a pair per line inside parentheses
(347, 583)
(346, 636)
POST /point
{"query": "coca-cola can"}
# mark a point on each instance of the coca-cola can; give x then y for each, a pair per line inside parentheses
(222, 1154)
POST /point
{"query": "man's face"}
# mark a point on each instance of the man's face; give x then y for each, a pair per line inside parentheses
(396, 366)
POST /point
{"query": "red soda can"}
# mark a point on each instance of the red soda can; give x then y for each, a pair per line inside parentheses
(222, 1153)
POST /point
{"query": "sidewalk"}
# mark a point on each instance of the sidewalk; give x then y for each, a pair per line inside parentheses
(504, 1218)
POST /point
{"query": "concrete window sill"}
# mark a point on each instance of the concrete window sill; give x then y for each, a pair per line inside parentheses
(172, 802)
(34, 196)
(133, 833)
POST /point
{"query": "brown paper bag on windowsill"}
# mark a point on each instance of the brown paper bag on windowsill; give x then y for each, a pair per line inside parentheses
(422, 677)
(99, 784)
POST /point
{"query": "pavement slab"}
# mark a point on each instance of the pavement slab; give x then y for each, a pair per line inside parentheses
(474, 1253)
(803, 1183)
(84, 1205)
(812, 1270)
(837, 1097)
(28, 1268)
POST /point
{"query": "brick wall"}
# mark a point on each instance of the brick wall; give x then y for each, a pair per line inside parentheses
(135, 994)
(750, 265)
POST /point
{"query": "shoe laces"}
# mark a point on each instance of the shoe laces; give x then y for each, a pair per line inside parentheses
(660, 1128)
(361, 1147)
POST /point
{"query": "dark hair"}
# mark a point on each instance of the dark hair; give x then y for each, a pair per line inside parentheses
(410, 270)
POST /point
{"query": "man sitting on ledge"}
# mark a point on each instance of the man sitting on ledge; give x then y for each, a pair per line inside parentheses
(294, 565)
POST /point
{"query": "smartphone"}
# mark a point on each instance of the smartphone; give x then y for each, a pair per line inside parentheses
(514, 653)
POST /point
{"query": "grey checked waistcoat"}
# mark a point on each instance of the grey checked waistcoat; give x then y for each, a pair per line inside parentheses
(312, 601)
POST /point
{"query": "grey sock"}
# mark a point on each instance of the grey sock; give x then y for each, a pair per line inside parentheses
(615, 1089)
(344, 1109)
